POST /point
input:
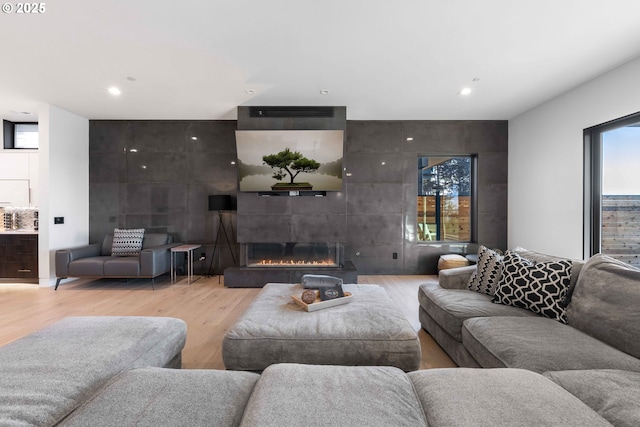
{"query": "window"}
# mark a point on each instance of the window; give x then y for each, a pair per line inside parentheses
(444, 198)
(20, 135)
(612, 189)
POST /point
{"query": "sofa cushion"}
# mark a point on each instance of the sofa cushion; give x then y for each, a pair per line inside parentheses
(453, 348)
(127, 242)
(497, 397)
(168, 397)
(486, 277)
(450, 307)
(155, 239)
(540, 287)
(122, 266)
(93, 266)
(539, 344)
(613, 394)
(606, 303)
(47, 374)
(311, 395)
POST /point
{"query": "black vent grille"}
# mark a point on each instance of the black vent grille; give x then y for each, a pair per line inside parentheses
(290, 111)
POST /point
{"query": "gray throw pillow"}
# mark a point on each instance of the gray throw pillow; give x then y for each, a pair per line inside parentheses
(486, 277)
(540, 287)
(127, 242)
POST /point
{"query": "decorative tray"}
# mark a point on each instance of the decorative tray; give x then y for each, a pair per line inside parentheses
(319, 304)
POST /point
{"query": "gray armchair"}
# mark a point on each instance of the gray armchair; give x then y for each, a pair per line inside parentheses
(95, 260)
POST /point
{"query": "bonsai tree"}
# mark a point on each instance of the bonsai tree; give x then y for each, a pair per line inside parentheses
(291, 163)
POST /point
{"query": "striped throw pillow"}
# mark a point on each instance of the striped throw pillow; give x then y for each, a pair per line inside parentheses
(127, 242)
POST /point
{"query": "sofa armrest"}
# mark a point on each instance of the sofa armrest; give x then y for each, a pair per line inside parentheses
(65, 256)
(156, 260)
(455, 278)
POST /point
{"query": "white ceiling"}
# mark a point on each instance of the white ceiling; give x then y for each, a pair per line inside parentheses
(405, 59)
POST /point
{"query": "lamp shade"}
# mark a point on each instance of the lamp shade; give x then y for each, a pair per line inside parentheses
(220, 203)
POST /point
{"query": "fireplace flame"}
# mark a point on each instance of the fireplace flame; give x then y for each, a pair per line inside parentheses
(289, 262)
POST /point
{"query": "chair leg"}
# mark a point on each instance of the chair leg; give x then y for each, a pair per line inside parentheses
(153, 282)
(58, 283)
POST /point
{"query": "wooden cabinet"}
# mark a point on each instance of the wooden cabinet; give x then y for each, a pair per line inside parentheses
(19, 256)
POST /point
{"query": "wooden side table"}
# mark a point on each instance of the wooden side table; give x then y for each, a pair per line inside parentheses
(188, 249)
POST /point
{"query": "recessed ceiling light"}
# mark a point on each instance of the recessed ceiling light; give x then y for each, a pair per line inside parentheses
(232, 162)
(114, 91)
(465, 91)
(133, 150)
(195, 138)
(324, 91)
(410, 138)
(349, 174)
(383, 163)
(143, 166)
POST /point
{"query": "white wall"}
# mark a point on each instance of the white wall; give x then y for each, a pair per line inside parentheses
(64, 185)
(546, 160)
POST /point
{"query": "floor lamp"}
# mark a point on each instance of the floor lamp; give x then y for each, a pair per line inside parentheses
(220, 203)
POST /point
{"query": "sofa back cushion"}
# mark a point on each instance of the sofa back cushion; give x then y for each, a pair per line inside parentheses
(150, 240)
(155, 239)
(606, 301)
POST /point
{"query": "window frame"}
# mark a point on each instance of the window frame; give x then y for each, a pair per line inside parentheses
(473, 202)
(9, 134)
(592, 181)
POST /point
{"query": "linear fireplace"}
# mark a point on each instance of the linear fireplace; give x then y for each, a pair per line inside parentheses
(293, 255)
(287, 262)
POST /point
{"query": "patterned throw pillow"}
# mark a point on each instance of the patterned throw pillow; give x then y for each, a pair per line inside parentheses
(487, 275)
(540, 287)
(127, 242)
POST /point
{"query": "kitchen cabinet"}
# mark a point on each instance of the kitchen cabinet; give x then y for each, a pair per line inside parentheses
(19, 256)
(34, 179)
(14, 192)
(14, 165)
(16, 169)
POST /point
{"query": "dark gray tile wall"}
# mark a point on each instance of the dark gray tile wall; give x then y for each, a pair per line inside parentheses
(381, 193)
(165, 184)
(164, 187)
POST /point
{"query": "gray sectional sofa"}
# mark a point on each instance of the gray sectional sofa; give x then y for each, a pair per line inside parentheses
(107, 371)
(595, 355)
(312, 395)
(602, 330)
(95, 260)
(112, 371)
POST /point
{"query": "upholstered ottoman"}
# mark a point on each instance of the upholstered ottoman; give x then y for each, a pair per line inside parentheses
(369, 331)
(49, 373)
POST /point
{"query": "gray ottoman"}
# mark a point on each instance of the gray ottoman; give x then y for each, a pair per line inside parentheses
(48, 373)
(368, 331)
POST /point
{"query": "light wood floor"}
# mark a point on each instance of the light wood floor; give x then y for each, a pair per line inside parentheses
(207, 306)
